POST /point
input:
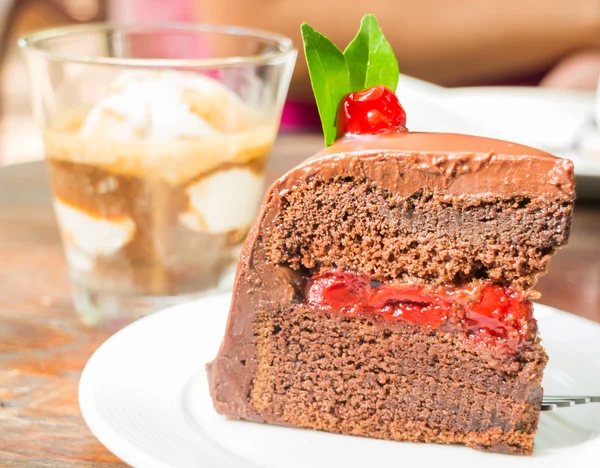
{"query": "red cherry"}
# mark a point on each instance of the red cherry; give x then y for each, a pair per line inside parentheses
(500, 312)
(371, 111)
(342, 292)
(409, 304)
(493, 303)
(499, 315)
(349, 294)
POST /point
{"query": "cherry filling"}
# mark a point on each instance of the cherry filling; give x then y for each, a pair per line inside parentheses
(491, 314)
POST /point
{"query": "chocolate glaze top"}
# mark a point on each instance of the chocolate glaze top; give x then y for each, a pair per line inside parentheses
(459, 164)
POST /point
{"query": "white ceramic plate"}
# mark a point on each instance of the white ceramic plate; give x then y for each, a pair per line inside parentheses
(144, 395)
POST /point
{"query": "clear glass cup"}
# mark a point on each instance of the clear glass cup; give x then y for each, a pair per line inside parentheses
(156, 139)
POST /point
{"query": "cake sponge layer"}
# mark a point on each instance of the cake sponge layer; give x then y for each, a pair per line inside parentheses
(404, 382)
(427, 237)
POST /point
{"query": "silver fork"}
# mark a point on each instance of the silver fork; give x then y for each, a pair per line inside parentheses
(550, 403)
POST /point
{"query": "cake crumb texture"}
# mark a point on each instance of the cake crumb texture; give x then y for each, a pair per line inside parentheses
(402, 382)
(428, 237)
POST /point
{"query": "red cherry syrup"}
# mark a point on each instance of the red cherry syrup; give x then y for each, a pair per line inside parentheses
(492, 315)
(371, 111)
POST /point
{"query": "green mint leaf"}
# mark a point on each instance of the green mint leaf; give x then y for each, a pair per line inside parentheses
(329, 77)
(370, 58)
(367, 61)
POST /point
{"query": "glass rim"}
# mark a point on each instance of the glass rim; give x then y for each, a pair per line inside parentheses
(285, 46)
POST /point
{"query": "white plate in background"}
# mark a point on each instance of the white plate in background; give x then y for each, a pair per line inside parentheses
(144, 394)
(540, 117)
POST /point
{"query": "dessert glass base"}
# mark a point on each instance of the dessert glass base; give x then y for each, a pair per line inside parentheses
(110, 310)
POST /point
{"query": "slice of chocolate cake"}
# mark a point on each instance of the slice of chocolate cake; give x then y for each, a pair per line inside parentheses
(385, 290)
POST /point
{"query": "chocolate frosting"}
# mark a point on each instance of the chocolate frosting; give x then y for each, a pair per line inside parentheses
(458, 164)
(402, 163)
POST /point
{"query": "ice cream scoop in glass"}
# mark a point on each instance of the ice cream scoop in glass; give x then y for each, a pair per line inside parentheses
(156, 139)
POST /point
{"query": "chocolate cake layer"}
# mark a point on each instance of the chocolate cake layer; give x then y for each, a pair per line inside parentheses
(427, 237)
(401, 382)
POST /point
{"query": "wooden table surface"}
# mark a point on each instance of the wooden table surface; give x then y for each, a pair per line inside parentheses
(43, 346)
